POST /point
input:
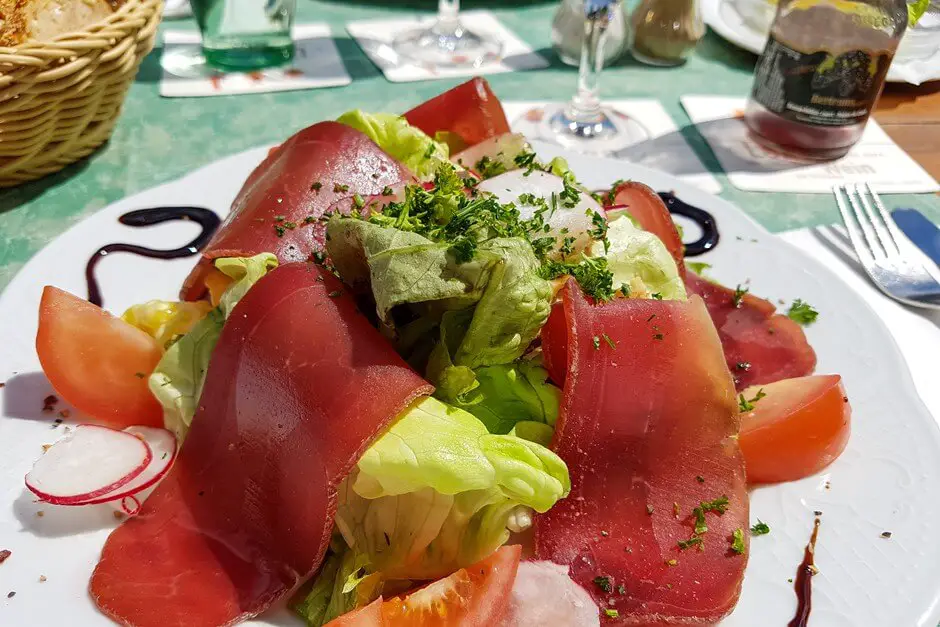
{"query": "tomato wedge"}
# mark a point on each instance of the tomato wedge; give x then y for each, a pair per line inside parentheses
(368, 616)
(796, 430)
(97, 362)
(475, 596)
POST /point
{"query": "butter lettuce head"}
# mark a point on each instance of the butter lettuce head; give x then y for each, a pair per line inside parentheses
(406, 143)
(177, 380)
(640, 260)
(508, 394)
(435, 493)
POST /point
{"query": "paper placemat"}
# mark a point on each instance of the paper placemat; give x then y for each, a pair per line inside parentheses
(316, 64)
(876, 159)
(663, 149)
(375, 38)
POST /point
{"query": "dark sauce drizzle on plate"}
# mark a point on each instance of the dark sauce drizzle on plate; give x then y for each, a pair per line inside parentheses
(205, 218)
(803, 584)
(702, 218)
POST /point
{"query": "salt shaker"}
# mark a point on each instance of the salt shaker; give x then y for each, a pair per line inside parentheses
(666, 31)
(568, 33)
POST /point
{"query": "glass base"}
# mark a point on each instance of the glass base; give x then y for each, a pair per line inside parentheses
(603, 134)
(244, 54)
(444, 46)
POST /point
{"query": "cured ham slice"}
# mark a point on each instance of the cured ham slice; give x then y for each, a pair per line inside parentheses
(277, 207)
(647, 429)
(298, 386)
(647, 208)
(469, 112)
(760, 345)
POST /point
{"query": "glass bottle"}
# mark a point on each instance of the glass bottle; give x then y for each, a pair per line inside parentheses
(821, 72)
(666, 31)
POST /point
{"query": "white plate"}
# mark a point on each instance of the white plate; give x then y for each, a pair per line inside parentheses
(886, 480)
(726, 20)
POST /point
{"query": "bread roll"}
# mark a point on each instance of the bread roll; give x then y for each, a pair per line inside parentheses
(42, 20)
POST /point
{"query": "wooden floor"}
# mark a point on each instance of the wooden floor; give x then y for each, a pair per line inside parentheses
(911, 116)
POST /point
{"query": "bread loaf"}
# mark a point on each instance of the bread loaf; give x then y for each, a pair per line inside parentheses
(42, 20)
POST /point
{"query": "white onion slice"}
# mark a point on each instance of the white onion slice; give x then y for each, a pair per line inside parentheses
(89, 462)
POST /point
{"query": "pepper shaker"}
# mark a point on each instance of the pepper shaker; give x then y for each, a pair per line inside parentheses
(568, 33)
(666, 31)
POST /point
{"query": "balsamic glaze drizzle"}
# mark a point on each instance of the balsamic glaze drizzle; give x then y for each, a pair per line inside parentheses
(702, 218)
(803, 584)
(206, 218)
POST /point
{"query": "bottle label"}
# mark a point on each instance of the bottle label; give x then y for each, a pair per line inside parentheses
(819, 88)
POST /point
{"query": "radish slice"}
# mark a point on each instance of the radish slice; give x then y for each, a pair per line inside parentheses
(544, 594)
(163, 445)
(89, 462)
(510, 186)
(502, 149)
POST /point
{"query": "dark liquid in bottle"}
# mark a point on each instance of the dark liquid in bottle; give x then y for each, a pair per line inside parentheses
(818, 79)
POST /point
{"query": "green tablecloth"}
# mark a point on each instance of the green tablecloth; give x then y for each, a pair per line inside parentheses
(159, 139)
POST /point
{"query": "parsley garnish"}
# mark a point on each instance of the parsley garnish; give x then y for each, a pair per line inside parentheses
(685, 544)
(658, 336)
(700, 478)
(279, 230)
(748, 405)
(464, 249)
(387, 191)
(317, 186)
(609, 341)
(430, 151)
(718, 505)
(611, 613)
(139, 375)
(358, 201)
(590, 273)
(621, 589)
(603, 583)
(738, 296)
(597, 342)
(672, 562)
(525, 159)
(737, 541)
(760, 528)
(656, 296)
(802, 313)
(337, 188)
(488, 168)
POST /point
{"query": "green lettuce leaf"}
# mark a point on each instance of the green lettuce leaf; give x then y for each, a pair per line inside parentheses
(507, 394)
(421, 154)
(640, 260)
(177, 380)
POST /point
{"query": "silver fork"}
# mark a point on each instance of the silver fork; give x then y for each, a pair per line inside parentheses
(892, 261)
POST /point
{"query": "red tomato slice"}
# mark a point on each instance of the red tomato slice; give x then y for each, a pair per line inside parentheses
(798, 429)
(476, 596)
(96, 361)
(368, 616)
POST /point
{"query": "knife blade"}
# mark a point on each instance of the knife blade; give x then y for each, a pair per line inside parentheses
(920, 230)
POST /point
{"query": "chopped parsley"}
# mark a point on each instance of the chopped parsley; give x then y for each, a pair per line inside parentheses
(316, 186)
(698, 267)
(430, 151)
(525, 159)
(686, 544)
(597, 342)
(760, 529)
(279, 230)
(621, 589)
(748, 404)
(658, 336)
(656, 296)
(611, 613)
(139, 375)
(612, 192)
(738, 295)
(488, 168)
(700, 478)
(358, 201)
(387, 191)
(802, 313)
(718, 505)
(737, 541)
(609, 341)
(337, 188)
(672, 562)
(591, 274)
(464, 249)
(603, 583)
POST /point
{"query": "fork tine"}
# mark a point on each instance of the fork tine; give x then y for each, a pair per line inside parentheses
(885, 236)
(899, 238)
(855, 235)
(865, 223)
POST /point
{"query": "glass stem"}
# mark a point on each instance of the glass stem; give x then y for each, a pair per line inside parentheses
(447, 20)
(586, 105)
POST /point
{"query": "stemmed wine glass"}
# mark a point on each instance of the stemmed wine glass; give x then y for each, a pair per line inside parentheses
(584, 124)
(447, 43)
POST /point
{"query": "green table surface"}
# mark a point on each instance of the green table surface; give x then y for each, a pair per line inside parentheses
(159, 139)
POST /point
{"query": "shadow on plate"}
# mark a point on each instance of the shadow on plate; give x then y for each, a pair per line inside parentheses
(24, 397)
(57, 521)
(835, 239)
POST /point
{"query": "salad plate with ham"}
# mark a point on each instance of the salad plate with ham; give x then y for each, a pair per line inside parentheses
(424, 373)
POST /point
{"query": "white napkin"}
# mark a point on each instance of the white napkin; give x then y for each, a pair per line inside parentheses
(875, 159)
(916, 331)
(316, 64)
(375, 38)
(663, 148)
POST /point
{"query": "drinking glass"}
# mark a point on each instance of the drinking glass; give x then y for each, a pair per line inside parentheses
(447, 43)
(584, 124)
(245, 34)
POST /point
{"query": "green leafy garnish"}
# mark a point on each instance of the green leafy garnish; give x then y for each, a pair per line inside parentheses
(603, 583)
(737, 541)
(745, 404)
(802, 313)
(698, 267)
(685, 544)
(718, 506)
(738, 295)
(611, 613)
(760, 529)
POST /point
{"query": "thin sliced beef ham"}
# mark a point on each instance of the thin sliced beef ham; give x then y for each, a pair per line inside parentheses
(314, 170)
(647, 430)
(468, 114)
(647, 208)
(760, 345)
(298, 386)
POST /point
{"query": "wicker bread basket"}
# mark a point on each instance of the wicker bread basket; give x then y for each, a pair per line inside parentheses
(59, 99)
